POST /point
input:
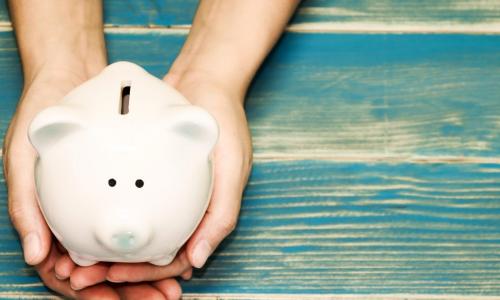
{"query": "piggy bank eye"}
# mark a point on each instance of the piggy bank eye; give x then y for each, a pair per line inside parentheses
(111, 182)
(139, 183)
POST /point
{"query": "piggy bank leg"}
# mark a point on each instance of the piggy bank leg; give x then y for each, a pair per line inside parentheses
(83, 262)
(164, 260)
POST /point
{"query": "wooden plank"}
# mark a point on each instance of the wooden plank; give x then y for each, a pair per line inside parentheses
(337, 14)
(319, 227)
(407, 12)
(149, 13)
(378, 96)
(347, 96)
(136, 13)
(332, 297)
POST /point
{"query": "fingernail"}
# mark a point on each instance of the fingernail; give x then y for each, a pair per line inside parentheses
(187, 274)
(75, 287)
(60, 277)
(31, 247)
(201, 252)
(114, 280)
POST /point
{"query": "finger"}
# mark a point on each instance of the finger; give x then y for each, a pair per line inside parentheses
(47, 274)
(98, 292)
(188, 274)
(82, 277)
(64, 266)
(222, 213)
(170, 288)
(139, 291)
(24, 211)
(123, 272)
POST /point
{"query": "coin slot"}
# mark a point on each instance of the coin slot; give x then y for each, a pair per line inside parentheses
(125, 98)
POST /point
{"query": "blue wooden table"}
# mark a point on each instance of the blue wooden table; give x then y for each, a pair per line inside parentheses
(376, 127)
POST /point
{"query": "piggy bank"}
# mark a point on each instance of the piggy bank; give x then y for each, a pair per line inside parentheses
(124, 170)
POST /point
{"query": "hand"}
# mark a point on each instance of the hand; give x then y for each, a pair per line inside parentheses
(47, 88)
(232, 161)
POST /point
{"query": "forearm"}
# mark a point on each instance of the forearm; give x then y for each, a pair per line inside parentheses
(59, 34)
(229, 40)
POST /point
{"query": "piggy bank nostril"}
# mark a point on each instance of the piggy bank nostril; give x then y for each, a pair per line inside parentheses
(111, 182)
(125, 240)
(139, 183)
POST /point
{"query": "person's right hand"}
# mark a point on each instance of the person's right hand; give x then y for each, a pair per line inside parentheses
(47, 88)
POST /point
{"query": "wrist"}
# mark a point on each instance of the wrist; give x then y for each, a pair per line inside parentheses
(218, 61)
(63, 68)
(191, 69)
(58, 35)
(76, 61)
(227, 43)
(53, 79)
(196, 85)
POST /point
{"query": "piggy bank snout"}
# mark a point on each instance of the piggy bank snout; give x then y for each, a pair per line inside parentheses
(124, 239)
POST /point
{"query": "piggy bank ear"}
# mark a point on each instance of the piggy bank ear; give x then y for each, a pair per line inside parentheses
(195, 124)
(51, 125)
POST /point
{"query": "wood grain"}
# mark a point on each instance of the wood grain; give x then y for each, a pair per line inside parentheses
(345, 228)
(427, 11)
(377, 166)
(347, 96)
(371, 96)
(248, 296)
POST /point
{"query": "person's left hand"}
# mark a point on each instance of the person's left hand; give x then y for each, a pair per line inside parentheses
(232, 159)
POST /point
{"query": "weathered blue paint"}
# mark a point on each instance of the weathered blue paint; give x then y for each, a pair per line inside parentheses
(311, 222)
(329, 95)
(423, 243)
(149, 13)
(380, 94)
(167, 13)
(330, 227)
(138, 13)
(423, 12)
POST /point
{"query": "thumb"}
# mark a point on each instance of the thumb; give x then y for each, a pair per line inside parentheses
(219, 220)
(210, 233)
(23, 207)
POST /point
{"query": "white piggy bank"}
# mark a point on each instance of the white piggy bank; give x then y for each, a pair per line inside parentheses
(124, 172)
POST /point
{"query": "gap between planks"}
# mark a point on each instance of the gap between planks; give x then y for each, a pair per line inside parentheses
(417, 159)
(492, 28)
(190, 296)
(364, 158)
